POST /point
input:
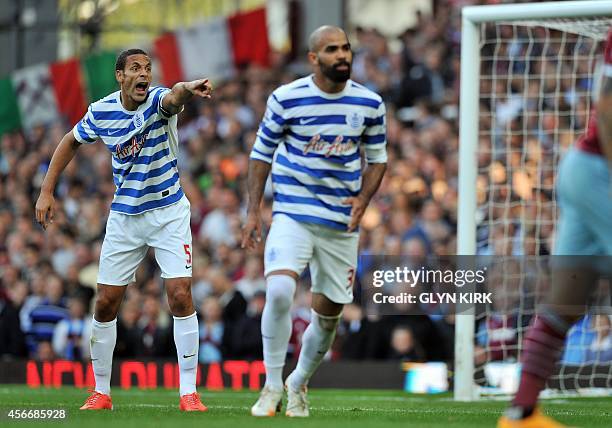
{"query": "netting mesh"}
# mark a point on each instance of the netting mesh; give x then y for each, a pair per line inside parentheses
(536, 92)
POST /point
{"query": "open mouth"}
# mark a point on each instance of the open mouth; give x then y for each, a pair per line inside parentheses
(141, 87)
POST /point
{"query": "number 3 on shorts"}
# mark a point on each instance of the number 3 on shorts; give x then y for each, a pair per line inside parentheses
(187, 253)
(351, 277)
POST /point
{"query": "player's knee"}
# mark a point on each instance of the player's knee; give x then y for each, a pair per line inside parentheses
(280, 291)
(179, 299)
(327, 323)
(106, 308)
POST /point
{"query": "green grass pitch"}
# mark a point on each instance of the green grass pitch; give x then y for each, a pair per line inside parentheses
(329, 408)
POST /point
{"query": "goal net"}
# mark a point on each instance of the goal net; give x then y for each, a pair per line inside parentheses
(532, 93)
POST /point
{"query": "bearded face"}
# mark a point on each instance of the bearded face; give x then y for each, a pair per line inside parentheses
(338, 72)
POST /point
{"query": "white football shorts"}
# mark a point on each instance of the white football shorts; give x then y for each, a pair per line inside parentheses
(331, 255)
(128, 237)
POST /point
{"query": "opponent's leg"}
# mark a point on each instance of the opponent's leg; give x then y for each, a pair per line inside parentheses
(574, 274)
(545, 340)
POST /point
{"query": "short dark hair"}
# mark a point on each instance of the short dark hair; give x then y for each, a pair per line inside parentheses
(122, 58)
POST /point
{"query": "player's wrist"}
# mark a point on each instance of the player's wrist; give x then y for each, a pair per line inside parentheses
(253, 212)
(364, 199)
(46, 190)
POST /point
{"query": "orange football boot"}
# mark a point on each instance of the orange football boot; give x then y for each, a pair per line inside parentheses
(97, 401)
(536, 420)
(191, 403)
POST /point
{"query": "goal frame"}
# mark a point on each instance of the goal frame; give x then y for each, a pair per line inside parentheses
(472, 16)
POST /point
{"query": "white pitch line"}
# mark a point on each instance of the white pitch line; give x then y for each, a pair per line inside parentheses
(326, 409)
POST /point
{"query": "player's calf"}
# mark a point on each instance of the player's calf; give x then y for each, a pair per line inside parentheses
(542, 348)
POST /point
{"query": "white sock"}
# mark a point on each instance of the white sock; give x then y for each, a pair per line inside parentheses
(316, 341)
(102, 345)
(187, 341)
(276, 326)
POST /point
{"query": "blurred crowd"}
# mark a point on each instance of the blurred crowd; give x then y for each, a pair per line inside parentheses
(48, 277)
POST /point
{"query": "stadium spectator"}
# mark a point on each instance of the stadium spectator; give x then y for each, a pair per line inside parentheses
(212, 337)
(246, 340)
(413, 213)
(44, 351)
(404, 347)
(360, 337)
(233, 304)
(12, 341)
(71, 335)
(128, 331)
(47, 314)
(155, 330)
(601, 347)
(253, 279)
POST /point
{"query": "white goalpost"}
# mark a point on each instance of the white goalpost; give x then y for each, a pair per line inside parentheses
(528, 72)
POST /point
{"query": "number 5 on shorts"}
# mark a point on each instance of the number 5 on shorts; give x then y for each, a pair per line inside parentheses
(351, 278)
(187, 253)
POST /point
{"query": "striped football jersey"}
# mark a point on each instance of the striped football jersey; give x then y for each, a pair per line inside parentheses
(313, 140)
(143, 144)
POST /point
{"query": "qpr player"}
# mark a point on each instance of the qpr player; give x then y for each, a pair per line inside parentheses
(310, 140)
(138, 124)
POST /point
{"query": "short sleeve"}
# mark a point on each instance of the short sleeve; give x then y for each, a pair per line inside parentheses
(85, 131)
(374, 137)
(270, 133)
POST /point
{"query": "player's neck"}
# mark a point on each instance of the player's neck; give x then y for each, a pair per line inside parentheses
(328, 85)
(127, 102)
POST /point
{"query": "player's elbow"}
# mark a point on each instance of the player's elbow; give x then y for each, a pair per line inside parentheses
(70, 142)
(381, 166)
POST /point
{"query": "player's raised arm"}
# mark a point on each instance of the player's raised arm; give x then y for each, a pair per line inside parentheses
(45, 205)
(182, 92)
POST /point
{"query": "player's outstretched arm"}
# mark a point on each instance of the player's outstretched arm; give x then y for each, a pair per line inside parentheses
(258, 174)
(604, 117)
(183, 92)
(45, 205)
(372, 177)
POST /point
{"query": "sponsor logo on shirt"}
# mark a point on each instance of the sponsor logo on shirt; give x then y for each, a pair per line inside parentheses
(130, 148)
(338, 147)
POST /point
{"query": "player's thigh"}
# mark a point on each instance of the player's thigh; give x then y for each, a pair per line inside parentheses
(585, 213)
(333, 265)
(598, 201)
(122, 250)
(289, 246)
(574, 236)
(170, 237)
